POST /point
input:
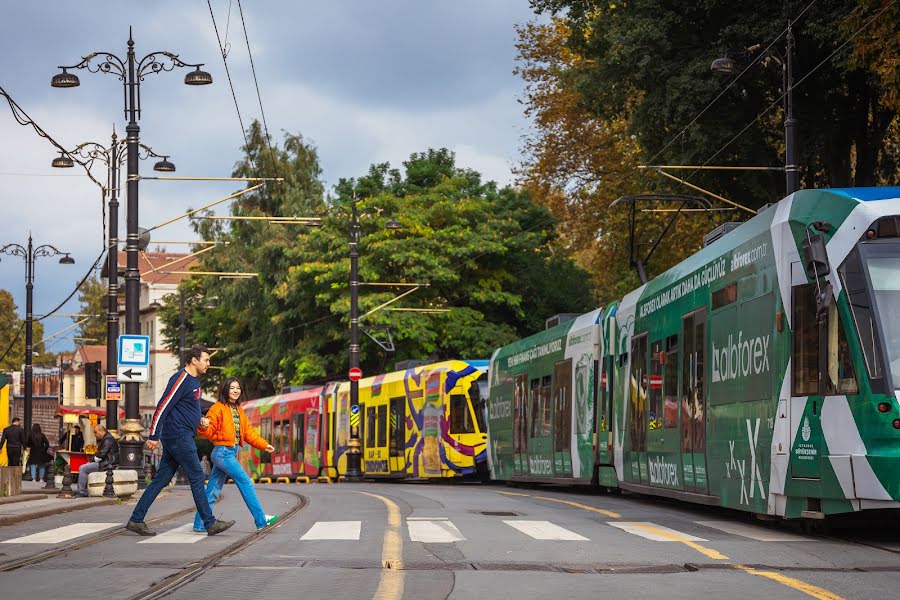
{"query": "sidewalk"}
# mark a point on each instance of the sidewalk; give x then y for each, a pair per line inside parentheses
(35, 502)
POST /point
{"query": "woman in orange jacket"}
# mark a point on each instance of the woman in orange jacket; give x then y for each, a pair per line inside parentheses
(226, 425)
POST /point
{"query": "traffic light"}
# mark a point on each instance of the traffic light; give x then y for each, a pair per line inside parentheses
(92, 379)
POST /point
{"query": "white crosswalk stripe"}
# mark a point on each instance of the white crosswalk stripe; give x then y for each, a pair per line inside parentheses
(754, 532)
(61, 534)
(657, 533)
(333, 530)
(545, 530)
(180, 535)
(433, 530)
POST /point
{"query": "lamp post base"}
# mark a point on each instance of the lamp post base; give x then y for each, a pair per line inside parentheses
(354, 471)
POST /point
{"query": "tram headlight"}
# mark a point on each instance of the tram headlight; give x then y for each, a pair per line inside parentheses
(896, 423)
(884, 407)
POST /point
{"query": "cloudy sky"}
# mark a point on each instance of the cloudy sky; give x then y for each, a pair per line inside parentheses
(366, 82)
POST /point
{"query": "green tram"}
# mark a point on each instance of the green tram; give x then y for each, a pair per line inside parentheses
(760, 374)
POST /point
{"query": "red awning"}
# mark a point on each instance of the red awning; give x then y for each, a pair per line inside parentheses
(84, 410)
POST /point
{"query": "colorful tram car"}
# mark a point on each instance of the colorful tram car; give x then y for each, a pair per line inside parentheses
(292, 423)
(761, 374)
(423, 422)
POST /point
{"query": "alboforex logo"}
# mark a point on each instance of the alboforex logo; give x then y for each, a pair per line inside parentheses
(745, 357)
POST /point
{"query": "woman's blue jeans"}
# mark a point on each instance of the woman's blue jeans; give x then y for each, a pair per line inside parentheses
(225, 464)
(35, 469)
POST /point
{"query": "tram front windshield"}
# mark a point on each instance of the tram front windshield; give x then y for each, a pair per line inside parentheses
(884, 275)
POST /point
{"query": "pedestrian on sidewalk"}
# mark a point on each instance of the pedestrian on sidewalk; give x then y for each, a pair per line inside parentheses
(15, 440)
(226, 425)
(175, 422)
(106, 457)
(39, 452)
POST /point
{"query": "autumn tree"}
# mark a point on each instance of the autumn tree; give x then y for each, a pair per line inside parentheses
(12, 337)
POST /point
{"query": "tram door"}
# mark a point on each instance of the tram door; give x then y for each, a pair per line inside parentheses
(520, 425)
(694, 402)
(540, 441)
(397, 434)
(562, 418)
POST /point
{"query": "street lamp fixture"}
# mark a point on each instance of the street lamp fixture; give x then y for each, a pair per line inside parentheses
(164, 165)
(728, 65)
(198, 77)
(65, 80)
(62, 162)
(31, 254)
(393, 225)
(132, 72)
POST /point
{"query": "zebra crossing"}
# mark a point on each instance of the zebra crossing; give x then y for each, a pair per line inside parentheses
(441, 530)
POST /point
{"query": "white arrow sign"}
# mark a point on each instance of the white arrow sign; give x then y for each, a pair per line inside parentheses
(126, 373)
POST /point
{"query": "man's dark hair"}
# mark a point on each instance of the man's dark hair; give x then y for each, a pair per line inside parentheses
(191, 353)
(16, 420)
(78, 427)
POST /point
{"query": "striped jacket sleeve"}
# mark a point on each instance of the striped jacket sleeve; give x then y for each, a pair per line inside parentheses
(163, 407)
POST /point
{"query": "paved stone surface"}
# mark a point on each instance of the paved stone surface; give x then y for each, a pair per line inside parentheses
(473, 541)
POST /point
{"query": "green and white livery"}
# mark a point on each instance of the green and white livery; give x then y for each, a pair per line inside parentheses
(761, 374)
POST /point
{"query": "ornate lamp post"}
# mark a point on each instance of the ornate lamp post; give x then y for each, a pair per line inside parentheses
(728, 65)
(354, 471)
(113, 157)
(31, 254)
(131, 72)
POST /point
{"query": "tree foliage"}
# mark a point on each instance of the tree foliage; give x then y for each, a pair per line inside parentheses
(12, 337)
(649, 62)
(488, 255)
(578, 163)
(93, 301)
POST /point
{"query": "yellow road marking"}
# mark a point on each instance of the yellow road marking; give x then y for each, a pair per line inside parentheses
(608, 513)
(708, 552)
(390, 586)
(807, 588)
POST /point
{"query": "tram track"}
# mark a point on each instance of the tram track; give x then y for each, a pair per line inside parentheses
(197, 569)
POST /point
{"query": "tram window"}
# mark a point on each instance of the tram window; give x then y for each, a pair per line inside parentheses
(265, 430)
(727, 295)
(534, 413)
(854, 281)
(370, 427)
(656, 384)
(805, 359)
(460, 420)
(562, 394)
(478, 393)
(299, 441)
(382, 426)
(670, 384)
(841, 379)
(546, 407)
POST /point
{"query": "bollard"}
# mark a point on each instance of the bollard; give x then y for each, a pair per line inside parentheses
(66, 489)
(48, 477)
(108, 491)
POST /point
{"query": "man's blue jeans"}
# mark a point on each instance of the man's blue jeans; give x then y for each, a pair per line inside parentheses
(181, 451)
(225, 464)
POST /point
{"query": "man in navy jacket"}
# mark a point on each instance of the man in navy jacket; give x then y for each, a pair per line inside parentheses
(175, 424)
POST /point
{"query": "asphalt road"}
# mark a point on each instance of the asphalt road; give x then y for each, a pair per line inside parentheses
(456, 541)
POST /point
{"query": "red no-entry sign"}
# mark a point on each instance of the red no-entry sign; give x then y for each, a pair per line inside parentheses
(355, 374)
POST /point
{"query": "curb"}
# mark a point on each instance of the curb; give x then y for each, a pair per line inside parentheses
(22, 498)
(13, 519)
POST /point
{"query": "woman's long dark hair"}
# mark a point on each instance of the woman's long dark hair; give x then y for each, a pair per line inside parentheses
(223, 390)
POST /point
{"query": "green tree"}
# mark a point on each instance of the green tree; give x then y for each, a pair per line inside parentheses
(12, 337)
(93, 300)
(649, 61)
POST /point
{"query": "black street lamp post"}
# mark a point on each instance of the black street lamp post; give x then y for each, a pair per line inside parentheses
(354, 470)
(113, 157)
(728, 65)
(31, 254)
(131, 72)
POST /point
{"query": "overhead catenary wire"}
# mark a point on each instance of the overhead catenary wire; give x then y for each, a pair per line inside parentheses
(802, 79)
(262, 112)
